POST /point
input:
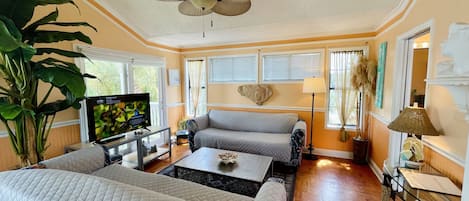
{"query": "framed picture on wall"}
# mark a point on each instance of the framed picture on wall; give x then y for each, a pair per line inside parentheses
(380, 74)
(173, 77)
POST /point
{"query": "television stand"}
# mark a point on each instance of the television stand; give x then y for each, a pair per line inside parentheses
(135, 158)
(106, 141)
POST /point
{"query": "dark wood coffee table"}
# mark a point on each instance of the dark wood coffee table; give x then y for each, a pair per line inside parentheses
(248, 167)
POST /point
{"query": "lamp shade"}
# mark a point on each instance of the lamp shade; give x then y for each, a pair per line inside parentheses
(314, 85)
(413, 120)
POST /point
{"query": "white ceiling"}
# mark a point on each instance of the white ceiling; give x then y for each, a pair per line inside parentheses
(161, 22)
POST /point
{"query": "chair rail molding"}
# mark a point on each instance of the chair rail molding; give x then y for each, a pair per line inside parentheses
(454, 75)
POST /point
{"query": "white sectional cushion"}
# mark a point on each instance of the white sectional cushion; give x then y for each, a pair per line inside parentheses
(253, 121)
(82, 161)
(179, 188)
(59, 185)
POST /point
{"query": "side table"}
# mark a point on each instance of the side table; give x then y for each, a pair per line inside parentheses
(182, 136)
(395, 187)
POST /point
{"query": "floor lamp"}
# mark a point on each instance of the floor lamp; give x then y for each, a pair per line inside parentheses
(312, 86)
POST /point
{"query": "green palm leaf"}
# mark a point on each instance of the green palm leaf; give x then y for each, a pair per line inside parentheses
(57, 36)
(66, 53)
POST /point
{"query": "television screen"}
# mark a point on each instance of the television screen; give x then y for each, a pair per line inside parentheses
(110, 116)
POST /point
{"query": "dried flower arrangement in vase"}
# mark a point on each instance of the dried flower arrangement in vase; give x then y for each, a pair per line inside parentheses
(364, 80)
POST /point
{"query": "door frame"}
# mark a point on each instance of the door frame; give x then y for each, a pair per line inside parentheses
(403, 73)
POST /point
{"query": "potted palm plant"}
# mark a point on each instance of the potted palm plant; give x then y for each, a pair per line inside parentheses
(26, 114)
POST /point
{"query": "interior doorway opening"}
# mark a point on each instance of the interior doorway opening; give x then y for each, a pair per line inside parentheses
(413, 51)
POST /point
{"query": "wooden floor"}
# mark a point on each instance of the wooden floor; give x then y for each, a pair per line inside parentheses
(325, 179)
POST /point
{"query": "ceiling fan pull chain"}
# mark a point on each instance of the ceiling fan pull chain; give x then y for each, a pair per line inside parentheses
(203, 22)
(211, 20)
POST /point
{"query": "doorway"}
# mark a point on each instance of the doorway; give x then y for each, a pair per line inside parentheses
(410, 71)
(419, 69)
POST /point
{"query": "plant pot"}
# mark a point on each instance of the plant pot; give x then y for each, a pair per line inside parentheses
(360, 151)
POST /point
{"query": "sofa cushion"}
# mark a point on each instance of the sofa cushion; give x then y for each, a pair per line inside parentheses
(277, 145)
(59, 185)
(252, 121)
(179, 188)
(85, 160)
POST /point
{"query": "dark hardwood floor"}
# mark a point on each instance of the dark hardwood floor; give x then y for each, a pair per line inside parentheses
(325, 179)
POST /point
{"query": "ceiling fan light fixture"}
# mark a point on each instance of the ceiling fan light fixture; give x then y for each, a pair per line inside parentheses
(204, 4)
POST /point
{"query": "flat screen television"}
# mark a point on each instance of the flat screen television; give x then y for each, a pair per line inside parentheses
(111, 116)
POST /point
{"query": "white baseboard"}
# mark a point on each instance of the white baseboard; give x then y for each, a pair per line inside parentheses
(331, 153)
(376, 170)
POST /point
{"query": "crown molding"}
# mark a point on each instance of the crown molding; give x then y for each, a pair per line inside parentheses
(126, 28)
(395, 17)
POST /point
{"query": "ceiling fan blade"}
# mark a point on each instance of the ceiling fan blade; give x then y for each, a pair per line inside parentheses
(232, 7)
(187, 8)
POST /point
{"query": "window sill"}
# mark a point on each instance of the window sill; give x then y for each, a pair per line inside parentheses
(347, 128)
(232, 82)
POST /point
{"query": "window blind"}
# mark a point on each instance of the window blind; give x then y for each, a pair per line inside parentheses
(291, 67)
(233, 69)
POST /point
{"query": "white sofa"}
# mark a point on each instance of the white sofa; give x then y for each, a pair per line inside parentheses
(83, 175)
(280, 135)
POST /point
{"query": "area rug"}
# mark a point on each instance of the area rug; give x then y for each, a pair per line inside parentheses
(235, 185)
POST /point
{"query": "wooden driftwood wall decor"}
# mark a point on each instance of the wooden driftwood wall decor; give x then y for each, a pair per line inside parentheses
(258, 93)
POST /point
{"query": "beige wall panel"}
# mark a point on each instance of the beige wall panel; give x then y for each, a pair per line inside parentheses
(452, 170)
(61, 137)
(8, 159)
(379, 141)
(58, 139)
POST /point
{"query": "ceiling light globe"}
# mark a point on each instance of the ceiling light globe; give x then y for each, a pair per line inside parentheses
(204, 4)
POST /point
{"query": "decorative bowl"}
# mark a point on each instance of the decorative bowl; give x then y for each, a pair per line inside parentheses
(228, 157)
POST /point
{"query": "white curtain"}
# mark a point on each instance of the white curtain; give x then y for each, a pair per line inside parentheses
(346, 96)
(194, 69)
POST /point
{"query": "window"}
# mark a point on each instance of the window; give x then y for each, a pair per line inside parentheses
(344, 102)
(196, 88)
(291, 67)
(124, 73)
(233, 69)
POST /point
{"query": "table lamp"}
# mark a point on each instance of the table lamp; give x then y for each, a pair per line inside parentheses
(414, 121)
(312, 85)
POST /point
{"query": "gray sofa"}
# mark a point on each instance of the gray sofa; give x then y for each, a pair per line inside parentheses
(280, 135)
(83, 175)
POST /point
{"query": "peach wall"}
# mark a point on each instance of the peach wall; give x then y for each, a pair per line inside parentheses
(112, 36)
(284, 94)
(440, 105)
(379, 141)
(109, 36)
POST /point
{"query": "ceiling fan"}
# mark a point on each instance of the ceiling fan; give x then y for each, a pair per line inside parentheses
(205, 7)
